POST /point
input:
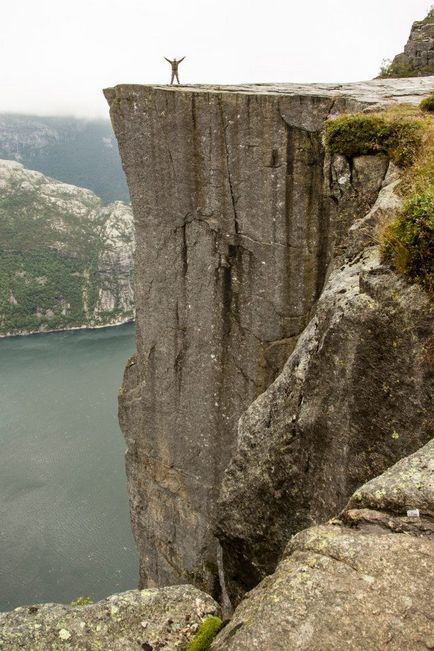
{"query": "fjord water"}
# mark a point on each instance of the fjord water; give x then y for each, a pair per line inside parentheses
(64, 523)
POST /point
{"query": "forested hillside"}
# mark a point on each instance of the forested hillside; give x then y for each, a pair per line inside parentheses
(65, 257)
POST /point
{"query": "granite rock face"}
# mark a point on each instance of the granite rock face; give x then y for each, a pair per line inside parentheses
(355, 396)
(418, 56)
(408, 485)
(238, 212)
(362, 581)
(163, 620)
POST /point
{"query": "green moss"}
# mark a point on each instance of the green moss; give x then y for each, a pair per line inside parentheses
(408, 241)
(427, 104)
(395, 135)
(205, 634)
(81, 601)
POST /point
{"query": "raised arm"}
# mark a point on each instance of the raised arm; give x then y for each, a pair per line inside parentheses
(167, 59)
(181, 59)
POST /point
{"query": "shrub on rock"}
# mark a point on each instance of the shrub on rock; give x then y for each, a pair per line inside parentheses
(408, 241)
(399, 136)
(427, 104)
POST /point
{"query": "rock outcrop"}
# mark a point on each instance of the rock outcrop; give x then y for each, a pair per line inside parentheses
(363, 581)
(163, 620)
(66, 259)
(355, 396)
(238, 215)
(417, 60)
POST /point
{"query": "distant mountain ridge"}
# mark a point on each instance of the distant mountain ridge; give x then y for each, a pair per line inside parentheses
(82, 152)
(66, 258)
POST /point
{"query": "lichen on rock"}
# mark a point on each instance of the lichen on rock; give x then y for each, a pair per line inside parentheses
(163, 620)
(362, 581)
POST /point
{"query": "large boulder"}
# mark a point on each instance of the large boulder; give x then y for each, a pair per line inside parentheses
(355, 396)
(364, 581)
(164, 619)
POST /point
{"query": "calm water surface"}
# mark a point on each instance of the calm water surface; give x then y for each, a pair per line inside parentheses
(64, 523)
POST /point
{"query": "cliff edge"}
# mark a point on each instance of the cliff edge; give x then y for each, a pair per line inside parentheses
(240, 215)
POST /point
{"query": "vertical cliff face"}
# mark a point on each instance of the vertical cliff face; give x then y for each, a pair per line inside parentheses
(236, 219)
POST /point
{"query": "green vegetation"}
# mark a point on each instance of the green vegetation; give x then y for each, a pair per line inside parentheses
(81, 601)
(406, 135)
(205, 634)
(41, 288)
(40, 282)
(51, 244)
(430, 17)
(408, 241)
(427, 104)
(397, 135)
(396, 70)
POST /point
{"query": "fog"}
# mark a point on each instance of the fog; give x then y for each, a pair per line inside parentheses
(58, 55)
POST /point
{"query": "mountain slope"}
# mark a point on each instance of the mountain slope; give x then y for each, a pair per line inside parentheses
(65, 257)
(81, 152)
(417, 60)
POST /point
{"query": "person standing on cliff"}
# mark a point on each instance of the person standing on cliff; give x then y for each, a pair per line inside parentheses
(174, 65)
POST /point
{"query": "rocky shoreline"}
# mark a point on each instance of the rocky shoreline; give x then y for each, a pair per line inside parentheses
(112, 324)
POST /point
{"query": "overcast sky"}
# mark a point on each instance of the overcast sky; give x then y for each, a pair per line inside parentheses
(57, 55)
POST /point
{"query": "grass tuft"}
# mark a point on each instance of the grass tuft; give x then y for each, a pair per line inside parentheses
(406, 134)
(427, 104)
(394, 134)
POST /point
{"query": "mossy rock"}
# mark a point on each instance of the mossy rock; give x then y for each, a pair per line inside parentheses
(427, 104)
(397, 136)
(205, 634)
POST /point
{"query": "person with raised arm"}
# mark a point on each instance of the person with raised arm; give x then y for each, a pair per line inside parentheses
(174, 63)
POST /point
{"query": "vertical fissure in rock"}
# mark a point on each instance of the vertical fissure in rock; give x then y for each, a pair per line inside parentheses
(321, 217)
(225, 601)
(228, 168)
(289, 182)
(166, 139)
